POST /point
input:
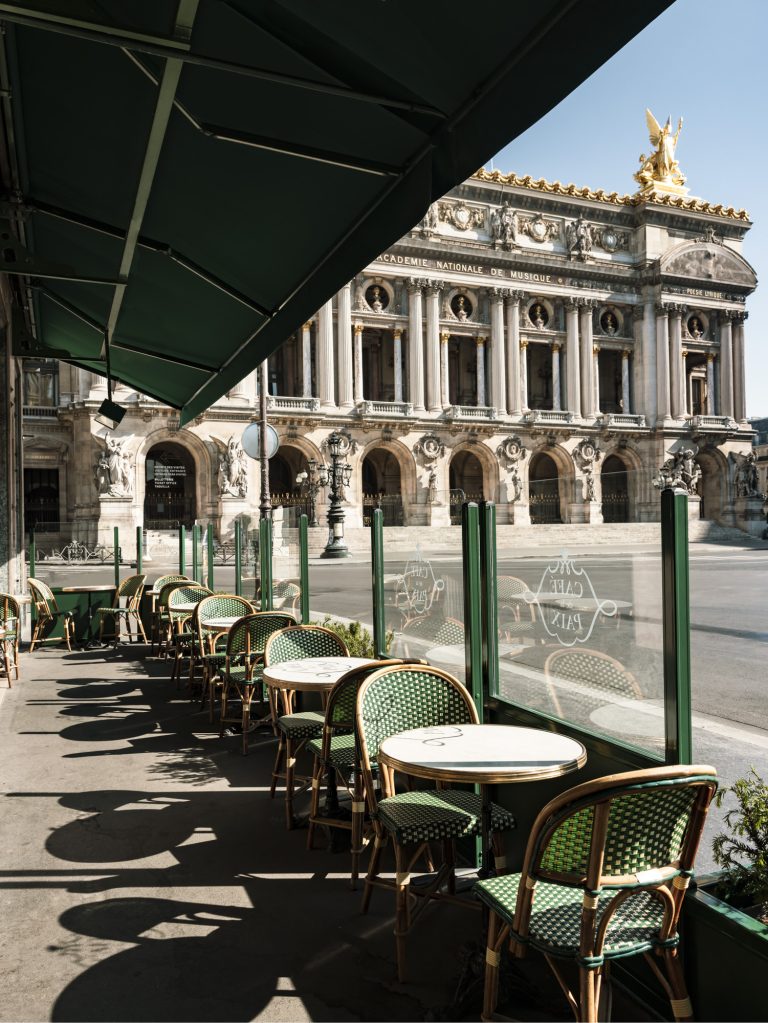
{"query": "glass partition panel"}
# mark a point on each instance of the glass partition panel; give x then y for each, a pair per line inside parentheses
(423, 587)
(286, 560)
(579, 596)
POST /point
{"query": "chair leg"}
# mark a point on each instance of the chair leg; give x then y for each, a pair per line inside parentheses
(314, 805)
(401, 910)
(290, 762)
(246, 699)
(358, 821)
(681, 1003)
(278, 764)
(67, 624)
(492, 957)
(587, 999)
(140, 625)
(373, 871)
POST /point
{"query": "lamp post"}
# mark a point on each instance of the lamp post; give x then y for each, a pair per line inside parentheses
(339, 475)
(312, 481)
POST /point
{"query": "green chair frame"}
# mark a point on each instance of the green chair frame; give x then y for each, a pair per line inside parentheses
(605, 872)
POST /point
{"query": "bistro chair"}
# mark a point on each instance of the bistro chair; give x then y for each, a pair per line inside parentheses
(604, 876)
(243, 666)
(155, 592)
(181, 629)
(295, 729)
(47, 612)
(165, 622)
(10, 626)
(130, 590)
(335, 755)
(395, 700)
(516, 616)
(203, 651)
(592, 669)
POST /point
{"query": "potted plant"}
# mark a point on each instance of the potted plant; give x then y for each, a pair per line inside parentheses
(725, 923)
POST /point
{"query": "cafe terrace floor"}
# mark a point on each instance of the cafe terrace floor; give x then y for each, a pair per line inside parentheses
(147, 875)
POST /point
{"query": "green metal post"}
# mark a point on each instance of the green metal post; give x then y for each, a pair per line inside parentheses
(490, 597)
(32, 553)
(209, 534)
(377, 583)
(139, 550)
(473, 621)
(182, 550)
(238, 559)
(116, 553)
(265, 563)
(677, 626)
(304, 568)
(196, 553)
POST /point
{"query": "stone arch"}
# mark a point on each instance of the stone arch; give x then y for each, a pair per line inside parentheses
(636, 481)
(205, 499)
(550, 496)
(376, 463)
(714, 487)
(489, 465)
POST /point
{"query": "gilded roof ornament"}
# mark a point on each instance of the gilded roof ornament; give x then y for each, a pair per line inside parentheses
(660, 171)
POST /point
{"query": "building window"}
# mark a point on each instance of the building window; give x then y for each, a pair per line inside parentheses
(41, 383)
(41, 499)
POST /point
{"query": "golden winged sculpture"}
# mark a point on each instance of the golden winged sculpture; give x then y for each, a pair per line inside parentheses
(660, 170)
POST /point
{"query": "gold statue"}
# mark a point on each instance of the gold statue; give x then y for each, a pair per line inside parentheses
(660, 171)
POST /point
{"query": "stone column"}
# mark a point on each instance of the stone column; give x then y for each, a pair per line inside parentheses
(514, 376)
(726, 365)
(625, 401)
(306, 360)
(556, 377)
(587, 374)
(434, 403)
(662, 364)
(357, 361)
(498, 354)
(444, 381)
(480, 370)
(524, 375)
(397, 358)
(596, 379)
(344, 334)
(676, 361)
(572, 379)
(325, 367)
(739, 391)
(685, 406)
(415, 346)
(710, 384)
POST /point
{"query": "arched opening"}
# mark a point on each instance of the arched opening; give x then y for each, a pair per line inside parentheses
(712, 488)
(169, 496)
(544, 490)
(466, 480)
(615, 487)
(382, 487)
(282, 479)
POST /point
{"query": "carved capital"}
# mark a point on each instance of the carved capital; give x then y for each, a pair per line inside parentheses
(480, 341)
(444, 337)
(571, 304)
(397, 333)
(515, 297)
(357, 328)
(556, 346)
(626, 352)
(414, 284)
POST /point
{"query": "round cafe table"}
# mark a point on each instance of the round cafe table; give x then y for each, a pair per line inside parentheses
(91, 590)
(483, 754)
(309, 675)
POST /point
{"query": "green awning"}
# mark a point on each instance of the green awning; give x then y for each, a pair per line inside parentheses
(194, 179)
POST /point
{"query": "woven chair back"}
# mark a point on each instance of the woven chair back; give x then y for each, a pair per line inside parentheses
(594, 669)
(437, 629)
(287, 591)
(624, 830)
(163, 580)
(131, 589)
(42, 598)
(301, 641)
(342, 699)
(218, 605)
(408, 696)
(9, 613)
(251, 633)
(193, 593)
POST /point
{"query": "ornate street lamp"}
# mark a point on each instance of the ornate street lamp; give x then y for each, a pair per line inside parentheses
(312, 482)
(339, 475)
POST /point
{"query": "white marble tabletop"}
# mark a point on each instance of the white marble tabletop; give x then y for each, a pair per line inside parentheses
(485, 754)
(311, 673)
(224, 624)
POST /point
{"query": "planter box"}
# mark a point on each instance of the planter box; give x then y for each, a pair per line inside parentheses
(725, 953)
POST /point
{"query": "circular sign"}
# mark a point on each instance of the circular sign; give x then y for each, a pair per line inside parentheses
(251, 440)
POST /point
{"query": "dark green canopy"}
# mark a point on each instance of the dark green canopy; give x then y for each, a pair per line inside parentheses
(194, 178)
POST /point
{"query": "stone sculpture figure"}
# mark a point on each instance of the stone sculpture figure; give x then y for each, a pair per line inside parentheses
(113, 470)
(747, 482)
(233, 471)
(681, 471)
(661, 167)
(432, 488)
(517, 484)
(503, 229)
(579, 237)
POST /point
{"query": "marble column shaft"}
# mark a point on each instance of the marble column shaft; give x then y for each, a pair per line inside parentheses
(498, 356)
(677, 400)
(325, 361)
(710, 385)
(587, 356)
(514, 362)
(306, 360)
(625, 400)
(726, 366)
(434, 402)
(596, 379)
(573, 376)
(524, 375)
(415, 348)
(444, 381)
(739, 382)
(344, 334)
(480, 369)
(357, 361)
(397, 360)
(556, 377)
(662, 364)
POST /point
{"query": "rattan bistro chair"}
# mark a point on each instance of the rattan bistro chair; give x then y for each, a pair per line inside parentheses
(295, 729)
(155, 593)
(394, 700)
(208, 647)
(179, 633)
(10, 625)
(47, 612)
(591, 669)
(604, 876)
(243, 666)
(516, 616)
(130, 590)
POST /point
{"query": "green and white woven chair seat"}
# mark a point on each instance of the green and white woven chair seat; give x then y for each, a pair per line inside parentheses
(305, 724)
(556, 917)
(341, 753)
(424, 816)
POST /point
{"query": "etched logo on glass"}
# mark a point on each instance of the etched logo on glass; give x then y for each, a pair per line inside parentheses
(417, 589)
(568, 604)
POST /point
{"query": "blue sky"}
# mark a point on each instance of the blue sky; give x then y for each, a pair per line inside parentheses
(706, 61)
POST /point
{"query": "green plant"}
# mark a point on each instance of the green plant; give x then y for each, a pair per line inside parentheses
(742, 851)
(357, 638)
